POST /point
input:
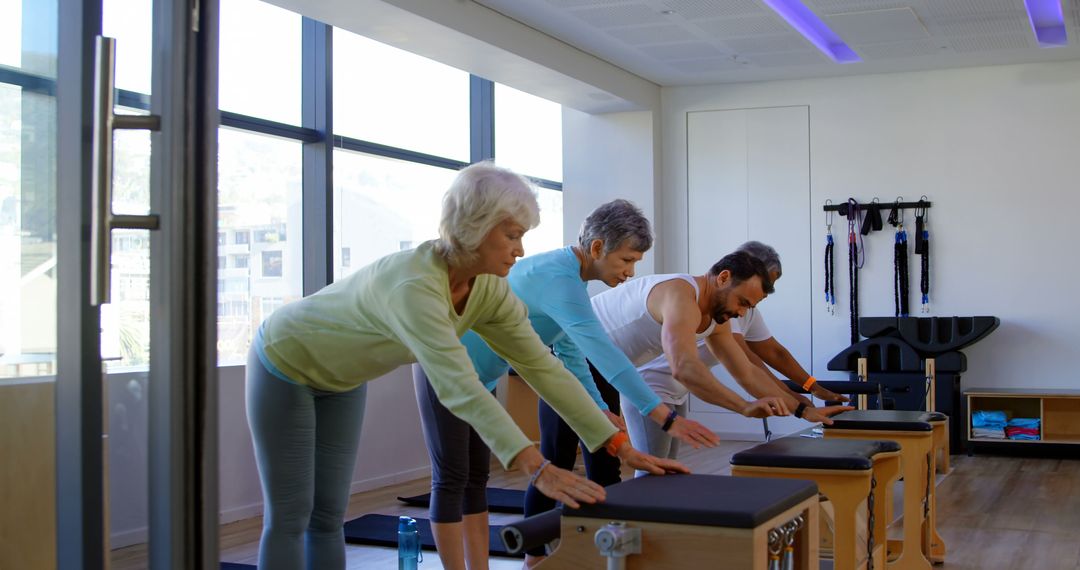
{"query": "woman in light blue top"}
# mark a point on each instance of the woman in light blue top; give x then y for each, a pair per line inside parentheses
(553, 286)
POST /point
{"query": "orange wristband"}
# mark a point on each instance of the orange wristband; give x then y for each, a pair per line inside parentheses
(809, 383)
(616, 442)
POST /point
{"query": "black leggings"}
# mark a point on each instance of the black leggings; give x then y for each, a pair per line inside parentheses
(558, 443)
(460, 461)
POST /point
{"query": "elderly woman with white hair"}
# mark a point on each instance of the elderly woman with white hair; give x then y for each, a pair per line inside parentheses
(310, 361)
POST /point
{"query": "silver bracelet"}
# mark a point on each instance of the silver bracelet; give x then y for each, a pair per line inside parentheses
(536, 474)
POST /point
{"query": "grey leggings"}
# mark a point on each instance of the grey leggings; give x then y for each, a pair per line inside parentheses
(305, 447)
(460, 461)
(646, 436)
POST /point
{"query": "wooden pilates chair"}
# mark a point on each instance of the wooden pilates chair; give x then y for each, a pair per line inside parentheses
(915, 432)
(682, 521)
(856, 476)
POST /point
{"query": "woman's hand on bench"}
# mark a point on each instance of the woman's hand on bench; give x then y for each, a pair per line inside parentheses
(559, 484)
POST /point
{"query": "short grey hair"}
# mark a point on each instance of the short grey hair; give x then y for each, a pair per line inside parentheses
(481, 197)
(765, 253)
(617, 222)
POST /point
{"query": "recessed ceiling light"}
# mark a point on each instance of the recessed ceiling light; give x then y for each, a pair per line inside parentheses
(1047, 22)
(812, 28)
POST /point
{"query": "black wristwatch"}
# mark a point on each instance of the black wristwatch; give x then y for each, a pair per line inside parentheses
(799, 410)
(670, 419)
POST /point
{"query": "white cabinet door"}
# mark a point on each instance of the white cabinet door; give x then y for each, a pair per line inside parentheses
(749, 179)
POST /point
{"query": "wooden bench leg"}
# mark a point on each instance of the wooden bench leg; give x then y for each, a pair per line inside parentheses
(916, 447)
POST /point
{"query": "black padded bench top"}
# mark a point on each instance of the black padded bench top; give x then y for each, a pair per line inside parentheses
(805, 453)
(707, 500)
(886, 420)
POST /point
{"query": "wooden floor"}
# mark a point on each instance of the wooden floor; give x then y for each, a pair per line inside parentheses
(995, 513)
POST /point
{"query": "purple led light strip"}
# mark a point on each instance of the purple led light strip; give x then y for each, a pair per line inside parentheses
(1047, 22)
(812, 28)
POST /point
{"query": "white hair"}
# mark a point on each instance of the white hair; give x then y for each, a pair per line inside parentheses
(481, 197)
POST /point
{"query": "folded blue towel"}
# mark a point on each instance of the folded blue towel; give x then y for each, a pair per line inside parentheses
(1024, 422)
(1024, 436)
(988, 418)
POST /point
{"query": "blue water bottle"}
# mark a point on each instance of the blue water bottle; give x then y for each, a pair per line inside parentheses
(408, 544)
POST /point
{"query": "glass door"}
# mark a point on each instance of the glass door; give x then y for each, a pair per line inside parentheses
(107, 313)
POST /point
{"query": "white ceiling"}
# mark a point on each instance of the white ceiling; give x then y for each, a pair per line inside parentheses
(694, 42)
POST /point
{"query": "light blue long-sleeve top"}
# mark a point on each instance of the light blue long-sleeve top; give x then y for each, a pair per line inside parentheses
(560, 312)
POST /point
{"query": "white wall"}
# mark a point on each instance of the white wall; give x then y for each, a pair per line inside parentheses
(605, 157)
(994, 148)
(392, 448)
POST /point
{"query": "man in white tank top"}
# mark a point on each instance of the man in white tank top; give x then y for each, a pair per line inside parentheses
(667, 314)
(757, 343)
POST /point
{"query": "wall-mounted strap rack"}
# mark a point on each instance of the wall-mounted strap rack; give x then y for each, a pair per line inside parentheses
(843, 206)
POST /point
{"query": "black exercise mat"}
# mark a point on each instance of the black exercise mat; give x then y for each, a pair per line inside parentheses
(381, 530)
(235, 566)
(510, 501)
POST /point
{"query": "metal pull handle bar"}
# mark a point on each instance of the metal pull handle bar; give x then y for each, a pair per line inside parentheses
(103, 220)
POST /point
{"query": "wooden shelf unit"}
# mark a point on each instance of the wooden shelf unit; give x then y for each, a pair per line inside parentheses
(1057, 410)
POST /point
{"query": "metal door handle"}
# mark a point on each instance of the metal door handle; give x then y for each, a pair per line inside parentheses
(102, 218)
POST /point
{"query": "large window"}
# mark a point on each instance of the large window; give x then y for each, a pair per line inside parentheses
(27, 233)
(528, 134)
(382, 206)
(27, 192)
(259, 195)
(260, 61)
(402, 128)
(392, 97)
(549, 234)
(11, 34)
(130, 22)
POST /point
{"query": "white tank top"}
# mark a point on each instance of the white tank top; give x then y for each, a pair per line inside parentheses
(625, 315)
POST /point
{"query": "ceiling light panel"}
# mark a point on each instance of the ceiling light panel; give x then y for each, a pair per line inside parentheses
(804, 21)
(1047, 22)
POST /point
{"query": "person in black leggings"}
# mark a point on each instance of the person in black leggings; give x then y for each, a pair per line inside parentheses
(559, 443)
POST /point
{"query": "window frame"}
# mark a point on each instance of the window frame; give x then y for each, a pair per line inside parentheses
(318, 143)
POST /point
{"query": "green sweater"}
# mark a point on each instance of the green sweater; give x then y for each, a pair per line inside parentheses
(397, 311)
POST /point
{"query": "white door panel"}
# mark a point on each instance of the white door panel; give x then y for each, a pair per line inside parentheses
(748, 175)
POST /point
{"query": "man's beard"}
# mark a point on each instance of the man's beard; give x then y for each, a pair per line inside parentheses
(719, 315)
